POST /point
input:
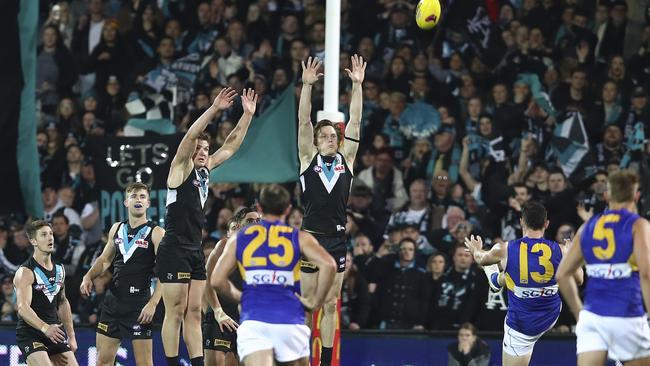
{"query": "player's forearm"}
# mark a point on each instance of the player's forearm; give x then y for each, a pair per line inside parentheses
(236, 136)
(304, 106)
(97, 269)
(485, 258)
(157, 294)
(201, 123)
(569, 291)
(356, 104)
(65, 314)
(211, 297)
(26, 313)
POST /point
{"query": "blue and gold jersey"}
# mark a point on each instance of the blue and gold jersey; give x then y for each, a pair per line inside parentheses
(534, 302)
(613, 287)
(268, 258)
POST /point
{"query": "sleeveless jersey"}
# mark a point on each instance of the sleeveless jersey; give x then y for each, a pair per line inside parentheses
(134, 259)
(613, 287)
(325, 192)
(46, 291)
(534, 302)
(184, 217)
(268, 257)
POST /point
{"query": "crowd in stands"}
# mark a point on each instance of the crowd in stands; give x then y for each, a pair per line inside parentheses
(450, 145)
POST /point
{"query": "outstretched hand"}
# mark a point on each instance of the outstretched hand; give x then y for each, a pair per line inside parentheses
(249, 101)
(358, 69)
(310, 72)
(474, 243)
(224, 99)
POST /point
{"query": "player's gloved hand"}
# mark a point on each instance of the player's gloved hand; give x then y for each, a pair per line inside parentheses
(224, 320)
(147, 313)
(54, 333)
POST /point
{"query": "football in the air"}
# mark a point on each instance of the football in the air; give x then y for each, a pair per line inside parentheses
(427, 14)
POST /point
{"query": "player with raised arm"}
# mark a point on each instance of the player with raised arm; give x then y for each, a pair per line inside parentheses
(221, 314)
(180, 265)
(615, 248)
(326, 163)
(529, 265)
(268, 255)
(129, 306)
(42, 305)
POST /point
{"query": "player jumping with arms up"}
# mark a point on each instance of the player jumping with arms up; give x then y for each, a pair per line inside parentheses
(615, 246)
(530, 264)
(326, 163)
(268, 255)
(180, 265)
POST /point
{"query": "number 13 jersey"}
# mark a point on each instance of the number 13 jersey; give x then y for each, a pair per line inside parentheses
(268, 258)
(534, 302)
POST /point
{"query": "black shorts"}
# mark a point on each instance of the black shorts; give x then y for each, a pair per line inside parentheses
(216, 340)
(178, 265)
(31, 340)
(119, 318)
(335, 246)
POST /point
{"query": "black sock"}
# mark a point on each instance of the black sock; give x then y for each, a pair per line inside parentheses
(326, 356)
(197, 361)
(172, 361)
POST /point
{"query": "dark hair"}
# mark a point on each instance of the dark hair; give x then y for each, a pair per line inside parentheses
(60, 214)
(34, 226)
(519, 185)
(323, 123)
(408, 240)
(274, 199)
(621, 184)
(239, 216)
(468, 326)
(136, 186)
(204, 136)
(534, 215)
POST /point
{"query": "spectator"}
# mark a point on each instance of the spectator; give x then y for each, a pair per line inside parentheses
(55, 71)
(510, 223)
(68, 244)
(110, 57)
(470, 350)
(8, 307)
(52, 205)
(355, 298)
(417, 210)
(399, 284)
(6, 266)
(295, 217)
(20, 249)
(460, 295)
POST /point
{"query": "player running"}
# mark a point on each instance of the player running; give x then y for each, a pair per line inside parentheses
(326, 163)
(529, 264)
(221, 315)
(268, 258)
(180, 265)
(42, 305)
(129, 306)
(615, 247)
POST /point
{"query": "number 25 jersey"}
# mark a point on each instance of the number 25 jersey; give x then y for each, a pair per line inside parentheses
(534, 303)
(613, 287)
(268, 258)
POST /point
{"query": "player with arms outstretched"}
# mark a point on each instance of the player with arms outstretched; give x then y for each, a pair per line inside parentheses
(326, 163)
(615, 247)
(129, 306)
(180, 265)
(529, 264)
(221, 314)
(268, 255)
(40, 296)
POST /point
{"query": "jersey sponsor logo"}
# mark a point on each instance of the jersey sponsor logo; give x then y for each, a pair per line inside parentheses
(37, 345)
(340, 168)
(134, 290)
(142, 243)
(535, 292)
(609, 271)
(102, 326)
(269, 277)
(221, 342)
(183, 275)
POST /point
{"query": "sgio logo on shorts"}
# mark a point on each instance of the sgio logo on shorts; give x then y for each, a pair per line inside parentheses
(269, 277)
